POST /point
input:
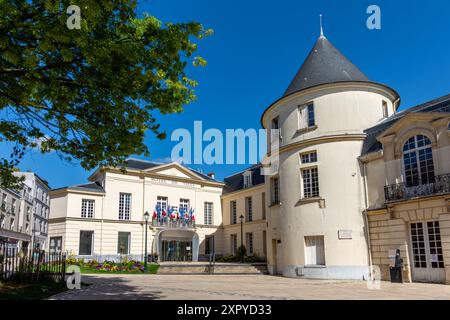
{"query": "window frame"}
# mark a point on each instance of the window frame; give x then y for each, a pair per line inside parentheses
(184, 204)
(124, 214)
(385, 109)
(247, 179)
(91, 244)
(249, 243)
(309, 157)
(275, 192)
(320, 260)
(160, 200)
(85, 209)
(128, 234)
(233, 212)
(306, 116)
(415, 153)
(310, 190)
(208, 215)
(233, 243)
(249, 209)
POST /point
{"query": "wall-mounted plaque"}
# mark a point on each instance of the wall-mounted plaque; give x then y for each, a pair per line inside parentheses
(345, 234)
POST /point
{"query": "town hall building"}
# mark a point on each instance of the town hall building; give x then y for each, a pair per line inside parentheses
(358, 183)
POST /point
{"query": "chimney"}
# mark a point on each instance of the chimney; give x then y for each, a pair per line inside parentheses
(211, 175)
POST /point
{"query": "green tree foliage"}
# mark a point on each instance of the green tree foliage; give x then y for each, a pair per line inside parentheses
(89, 94)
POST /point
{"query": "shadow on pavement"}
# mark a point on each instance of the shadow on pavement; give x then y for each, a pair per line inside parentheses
(111, 288)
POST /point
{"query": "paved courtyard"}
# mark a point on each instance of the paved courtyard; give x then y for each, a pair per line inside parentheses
(242, 287)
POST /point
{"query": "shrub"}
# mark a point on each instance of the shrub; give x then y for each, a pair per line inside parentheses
(241, 251)
(71, 260)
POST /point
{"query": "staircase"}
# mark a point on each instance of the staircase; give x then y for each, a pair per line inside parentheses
(211, 268)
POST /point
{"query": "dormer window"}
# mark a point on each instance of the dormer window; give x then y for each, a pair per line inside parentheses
(385, 109)
(247, 179)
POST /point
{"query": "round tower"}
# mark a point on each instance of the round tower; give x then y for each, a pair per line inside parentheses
(316, 224)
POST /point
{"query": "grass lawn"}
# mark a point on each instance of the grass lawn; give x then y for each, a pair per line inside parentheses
(152, 268)
(36, 291)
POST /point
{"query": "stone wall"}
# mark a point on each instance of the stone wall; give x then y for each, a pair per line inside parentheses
(389, 230)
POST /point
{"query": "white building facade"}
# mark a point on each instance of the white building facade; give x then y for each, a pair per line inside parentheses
(104, 219)
(359, 185)
(37, 189)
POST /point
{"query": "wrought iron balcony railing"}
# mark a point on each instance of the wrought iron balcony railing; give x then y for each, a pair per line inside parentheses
(166, 222)
(401, 191)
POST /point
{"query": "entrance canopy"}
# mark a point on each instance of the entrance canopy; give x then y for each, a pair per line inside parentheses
(176, 245)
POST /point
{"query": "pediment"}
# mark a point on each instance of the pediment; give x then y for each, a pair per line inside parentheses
(408, 122)
(175, 170)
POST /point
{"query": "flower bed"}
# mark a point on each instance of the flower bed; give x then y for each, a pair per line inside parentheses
(125, 266)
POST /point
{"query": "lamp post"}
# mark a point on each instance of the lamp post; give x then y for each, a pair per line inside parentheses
(146, 216)
(241, 219)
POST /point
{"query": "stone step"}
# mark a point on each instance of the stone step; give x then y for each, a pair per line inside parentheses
(222, 268)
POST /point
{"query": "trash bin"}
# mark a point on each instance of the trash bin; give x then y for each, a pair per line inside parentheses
(396, 274)
(396, 271)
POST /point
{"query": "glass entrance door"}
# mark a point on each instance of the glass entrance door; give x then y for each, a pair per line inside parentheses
(426, 247)
(176, 250)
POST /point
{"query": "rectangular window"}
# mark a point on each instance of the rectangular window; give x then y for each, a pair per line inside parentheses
(11, 226)
(248, 209)
(311, 116)
(87, 208)
(209, 244)
(247, 180)
(275, 191)
(124, 206)
(306, 116)
(385, 109)
(275, 134)
(55, 245)
(308, 157)
(275, 124)
(184, 205)
(249, 242)
(263, 204)
(208, 213)
(315, 253)
(13, 207)
(123, 243)
(310, 183)
(162, 202)
(233, 244)
(86, 243)
(264, 242)
(233, 212)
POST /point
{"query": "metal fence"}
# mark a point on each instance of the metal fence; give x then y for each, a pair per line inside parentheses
(30, 266)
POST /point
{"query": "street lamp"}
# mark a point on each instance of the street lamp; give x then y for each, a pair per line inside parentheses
(241, 219)
(146, 216)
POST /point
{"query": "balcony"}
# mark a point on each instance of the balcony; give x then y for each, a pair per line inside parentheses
(27, 196)
(165, 222)
(398, 192)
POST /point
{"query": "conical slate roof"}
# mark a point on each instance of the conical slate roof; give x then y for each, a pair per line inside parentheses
(324, 64)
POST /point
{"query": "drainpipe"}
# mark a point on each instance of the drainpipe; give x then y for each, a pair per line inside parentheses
(366, 204)
(101, 221)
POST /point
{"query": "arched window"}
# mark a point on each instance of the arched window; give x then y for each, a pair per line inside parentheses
(418, 161)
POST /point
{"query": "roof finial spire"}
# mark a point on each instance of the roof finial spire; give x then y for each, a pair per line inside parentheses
(321, 26)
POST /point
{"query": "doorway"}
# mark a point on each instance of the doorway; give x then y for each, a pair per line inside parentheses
(277, 257)
(176, 250)
(426, 252)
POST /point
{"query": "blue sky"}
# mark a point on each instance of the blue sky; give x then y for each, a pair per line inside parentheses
(258, 47)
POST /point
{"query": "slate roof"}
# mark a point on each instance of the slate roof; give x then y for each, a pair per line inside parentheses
(324, 64)
(89, 186)
(94, 186)
(371, 144)
(236, 182)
